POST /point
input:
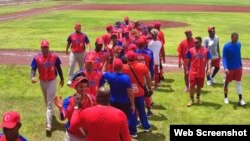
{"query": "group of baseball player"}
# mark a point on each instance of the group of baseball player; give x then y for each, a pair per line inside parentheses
(129, 58)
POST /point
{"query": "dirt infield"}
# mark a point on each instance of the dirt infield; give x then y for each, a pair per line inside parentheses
(127, 7)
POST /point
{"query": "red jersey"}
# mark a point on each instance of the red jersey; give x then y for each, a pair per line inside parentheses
(141, 71)
(78, 41)
(94, 79)
(46, 66)
(125, 43)
(183, 47)
(161, 37)
(100, 59)
(68, 109)
(102, 123)
(198, 61)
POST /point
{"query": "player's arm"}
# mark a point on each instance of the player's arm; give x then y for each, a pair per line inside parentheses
(224, 59)
(68, 45)
(179, 50)
(59, 70)
(148, 80)
(151, 65)
(218, 48)
(189, 56)
(209, 63)
(130, 94)
(33, 71)
(87, 43)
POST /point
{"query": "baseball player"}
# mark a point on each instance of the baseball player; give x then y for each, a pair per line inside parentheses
(197, 59)
(78, 101)
(212, 43)
(233, 66)
(48, 65)
(182, 49)
(77, 41)
(102, 122)
(11, 125)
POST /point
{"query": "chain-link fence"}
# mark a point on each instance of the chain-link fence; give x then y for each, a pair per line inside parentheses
(10, 2)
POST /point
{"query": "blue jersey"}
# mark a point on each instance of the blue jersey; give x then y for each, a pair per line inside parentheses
(232, 56)
(119, 83)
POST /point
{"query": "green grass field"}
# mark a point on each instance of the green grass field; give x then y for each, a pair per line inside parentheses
(56, 26)
(17, 93)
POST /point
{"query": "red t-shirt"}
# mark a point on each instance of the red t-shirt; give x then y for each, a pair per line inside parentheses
(78, 41)
(94, 78)
(183, 47)
(102, 123)
(198, 57)
(141, 71)
(100, 59)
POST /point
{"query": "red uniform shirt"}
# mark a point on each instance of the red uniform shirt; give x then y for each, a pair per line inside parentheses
(182, 49)
(141, 71)
(100, 59)
(78, 41)
(46, 66)
(106, 38)
(102, 123)
(68, 109)
(198, 57)
(94, 79)
(125, 43)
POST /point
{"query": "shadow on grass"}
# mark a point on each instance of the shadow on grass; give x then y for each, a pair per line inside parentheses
(149, 136)
(159, 107)
(205, 92)
(57, 125)
(210, 104)
(218, 85)
(165, 88)
(159, 117)
(168, 80)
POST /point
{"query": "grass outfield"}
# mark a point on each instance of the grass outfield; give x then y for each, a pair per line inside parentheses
(56, 26)
(17, 93)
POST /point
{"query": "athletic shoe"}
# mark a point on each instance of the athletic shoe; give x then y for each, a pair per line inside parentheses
(209, 82)
(69, 82)
(48, 130)
(226, 100)
(134, 135)
(242, 103)
(190, 103)
(138, 123)
(212, 80)
(147, 130)
(149, 113)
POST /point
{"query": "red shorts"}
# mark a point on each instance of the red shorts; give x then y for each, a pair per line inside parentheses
(234, 75)
(199, 81)
(215, 62)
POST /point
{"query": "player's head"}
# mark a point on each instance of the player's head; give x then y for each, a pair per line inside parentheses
(132, 47)
(98, 44)
(197, 42)
(109, 28)
(234, 37)
(211, 31)
(189, 34)
(89, 62)
(154, 33)
(131, 56)
(77, 27)
(103, 96)
(80, 83)
(141, 42)
(157, 25)
(45, 47)
(126, 20)
(114, 37)
(11, 125)
(118, 65)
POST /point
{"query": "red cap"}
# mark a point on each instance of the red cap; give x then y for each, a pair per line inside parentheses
(131, 55)
(157, 24)
(44, 43)
(77, 81)
(77, 26)
(10, 119)
(126, 18)
(90, 58)
(150, 25)
(141, 40)
(109, 27)
(188, 31)
(132, 47)
(211, 28)
(118, 64)
(99, 41)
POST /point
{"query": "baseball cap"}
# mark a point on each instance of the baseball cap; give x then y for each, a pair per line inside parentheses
(77, 26)
(140, 40)
(99, 41)
(132, 47)
(44, 43)
(89, 58)
(78, 80)
(211, 28)
(188, 31)
(109, 27)
(118, 64)
(157, 24)
(131, 55)
(10, 119)
(126, 18)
